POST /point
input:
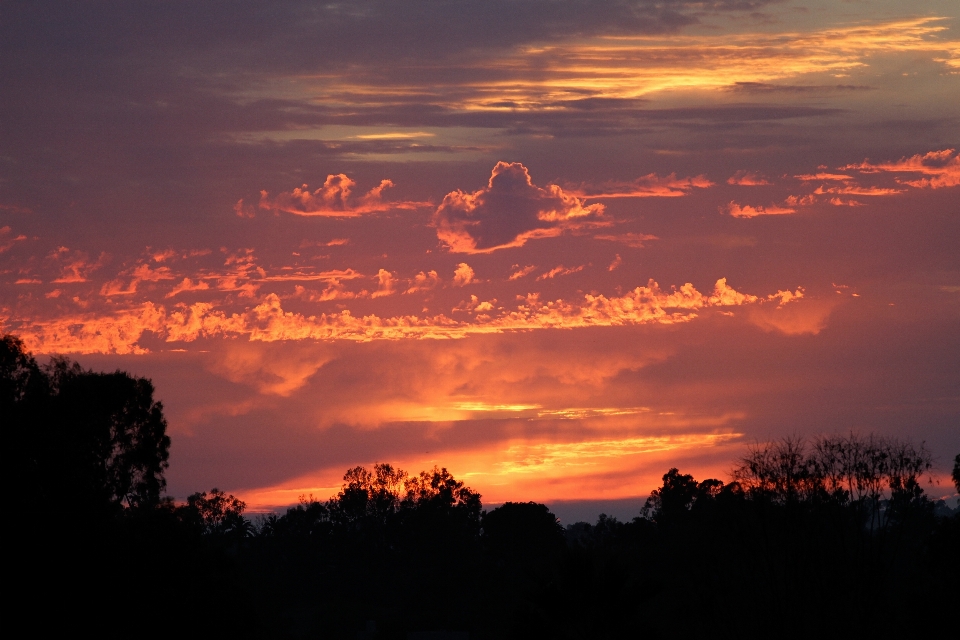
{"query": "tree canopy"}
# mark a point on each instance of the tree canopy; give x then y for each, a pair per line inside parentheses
(95, 442)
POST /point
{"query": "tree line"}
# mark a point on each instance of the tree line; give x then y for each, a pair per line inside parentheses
(828, 536)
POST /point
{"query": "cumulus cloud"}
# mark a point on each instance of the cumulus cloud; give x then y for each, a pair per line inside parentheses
(424, 282)
(387, 284)
(747, 179)
(335, 198)
(509, 211)
(120, 331)
(840, 202)
(938, 169)
(747, 211)
(75, 266)
(648, 186)
(800, 201)
(463, 275)
(187, 285)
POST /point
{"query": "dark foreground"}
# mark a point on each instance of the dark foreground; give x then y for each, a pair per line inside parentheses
(828, 538)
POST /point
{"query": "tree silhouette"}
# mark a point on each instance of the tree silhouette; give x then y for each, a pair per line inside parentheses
(216, 514)
(956, 472)
(91, 442)
(522, 528)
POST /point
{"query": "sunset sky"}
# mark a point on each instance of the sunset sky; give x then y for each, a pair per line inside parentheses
(557, 246)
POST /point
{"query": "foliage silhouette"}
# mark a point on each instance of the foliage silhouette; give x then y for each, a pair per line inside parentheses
(956, 472)
(834, 536)
(99, 434)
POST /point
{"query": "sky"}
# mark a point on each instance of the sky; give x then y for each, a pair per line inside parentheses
(555, 246)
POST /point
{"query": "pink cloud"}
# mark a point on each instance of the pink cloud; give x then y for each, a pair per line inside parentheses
(617, 261)
(939, 169)
(12, 208)
(463, 275)
(836, 177)
(7, 239)
(140, 273)
(839, 202)
(857, 190)
(648, 186)
(520, 273)
(509, 211)
(423, 282)
(387, 284)
(300, 275)
(747, 179)
(800, 201)
(120, 331)
(747, 211)
(631, 239)
(75, 266)
(559, 271)
(187, 285)
(334, 199)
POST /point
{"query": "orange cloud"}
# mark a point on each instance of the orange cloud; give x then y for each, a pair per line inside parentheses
(288, 274)
(648, 186)
(542, 76)
(333, 291)
(747, 211)
(838, 202)
(520, 273)
(800, 201)
(163, 256)
(747, 179)
(424, 282)
(839, 177)
(275, 371)
(120, 331)
(857, 190)
(89, 333)
(140, 273)
(75, 266)
(558, 271)
(187, 285)
(7, 239)
(334, 199)
(509, 211)
(387, 284)
(244, 211)
(939, 169)
(808, 318)
(615, 264)
(463, 275)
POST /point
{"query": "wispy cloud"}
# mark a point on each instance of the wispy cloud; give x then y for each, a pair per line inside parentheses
(335, 198)
(648, 186)
(938, 169)
(559, 271)
(749, 211)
